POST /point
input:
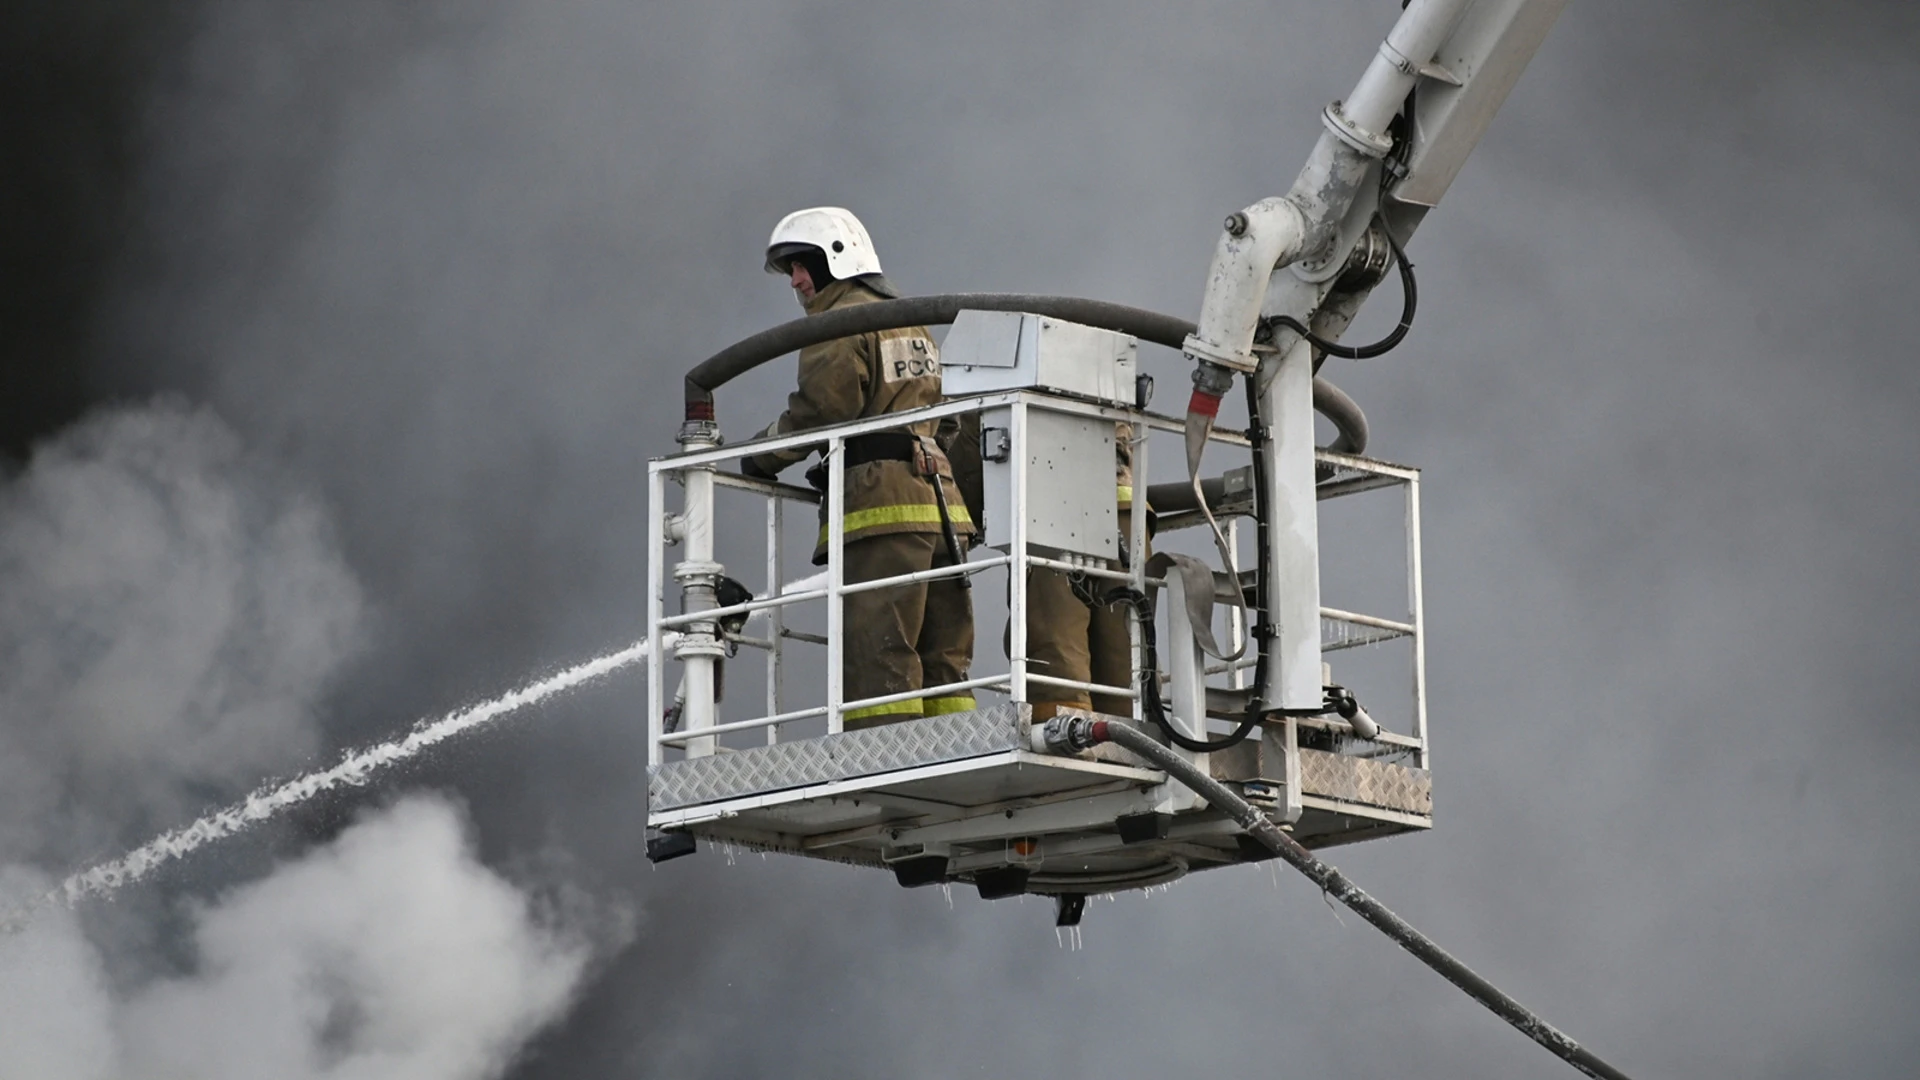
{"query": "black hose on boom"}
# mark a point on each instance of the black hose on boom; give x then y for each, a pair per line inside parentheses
(1076, 734)
(743, 356)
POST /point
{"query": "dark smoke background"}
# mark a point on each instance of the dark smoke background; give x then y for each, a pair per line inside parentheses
(443, 263)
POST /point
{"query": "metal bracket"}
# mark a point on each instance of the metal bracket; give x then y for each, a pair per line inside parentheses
(996, 444)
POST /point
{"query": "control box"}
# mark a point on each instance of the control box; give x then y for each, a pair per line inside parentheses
(989, 351)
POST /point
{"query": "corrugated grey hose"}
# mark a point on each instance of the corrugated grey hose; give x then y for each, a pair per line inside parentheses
(745, 355)
(1335, 883)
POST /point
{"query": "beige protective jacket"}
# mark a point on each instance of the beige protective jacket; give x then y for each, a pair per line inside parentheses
(864, 376)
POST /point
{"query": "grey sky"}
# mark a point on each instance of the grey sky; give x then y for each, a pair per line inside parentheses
(443, 264)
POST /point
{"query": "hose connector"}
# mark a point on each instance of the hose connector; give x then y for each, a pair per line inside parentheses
(699, 429)
(699, 434)
(1210, 383)
(1068, 735)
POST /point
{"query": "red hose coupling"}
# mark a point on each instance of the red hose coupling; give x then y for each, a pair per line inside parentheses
(1203, 404)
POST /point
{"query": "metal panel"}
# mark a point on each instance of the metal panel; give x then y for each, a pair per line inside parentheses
(803, 762)
(1366, 783)
(782, 803)
(1070, 504)
(1082, 360)
(980, 339)
(1002, 786)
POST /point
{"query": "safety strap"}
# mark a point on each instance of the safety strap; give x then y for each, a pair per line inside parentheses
(901, 446)
(954, 557)
(866, 449)
(881, 446)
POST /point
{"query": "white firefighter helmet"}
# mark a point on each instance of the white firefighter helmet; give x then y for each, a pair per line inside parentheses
(836, 232)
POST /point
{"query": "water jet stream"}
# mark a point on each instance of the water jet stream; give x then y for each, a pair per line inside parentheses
(353, 769)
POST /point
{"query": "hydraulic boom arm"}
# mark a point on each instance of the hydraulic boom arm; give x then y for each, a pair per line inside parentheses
(1444, 69)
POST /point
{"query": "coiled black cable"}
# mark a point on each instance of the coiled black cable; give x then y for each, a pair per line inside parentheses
(1149, 682)
(1410, 303)
(1394, 165)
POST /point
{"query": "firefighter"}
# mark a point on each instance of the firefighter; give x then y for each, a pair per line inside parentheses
(903, 513)
(1072, 632)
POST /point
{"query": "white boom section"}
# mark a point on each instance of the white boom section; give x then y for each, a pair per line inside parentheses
(1469, 78)
(1469, 52)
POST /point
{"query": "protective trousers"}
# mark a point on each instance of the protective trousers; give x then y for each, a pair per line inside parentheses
(905, 637)
(1068, 638)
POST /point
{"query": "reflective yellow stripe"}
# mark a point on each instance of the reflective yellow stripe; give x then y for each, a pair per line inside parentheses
(1125, 492)
(909, 707)
(901, 514)
(938, 705)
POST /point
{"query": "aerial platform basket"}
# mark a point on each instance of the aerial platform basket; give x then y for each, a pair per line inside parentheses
(966, 794)
(977, 796)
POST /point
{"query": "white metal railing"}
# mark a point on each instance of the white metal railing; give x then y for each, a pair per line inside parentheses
(1340, 629)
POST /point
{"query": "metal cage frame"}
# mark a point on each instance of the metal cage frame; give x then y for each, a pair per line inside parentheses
(1103, 788)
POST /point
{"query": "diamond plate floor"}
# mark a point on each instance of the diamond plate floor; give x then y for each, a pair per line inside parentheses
(827, 758)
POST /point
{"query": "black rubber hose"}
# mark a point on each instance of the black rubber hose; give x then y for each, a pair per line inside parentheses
(1261, 630)
(1335, 884)
(743, 356)
(1333, 403)
(1176, 497)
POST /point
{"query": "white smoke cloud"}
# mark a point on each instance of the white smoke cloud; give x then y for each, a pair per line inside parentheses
(172, 612)
(54, 993)
(169, 615)
(390, 953)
